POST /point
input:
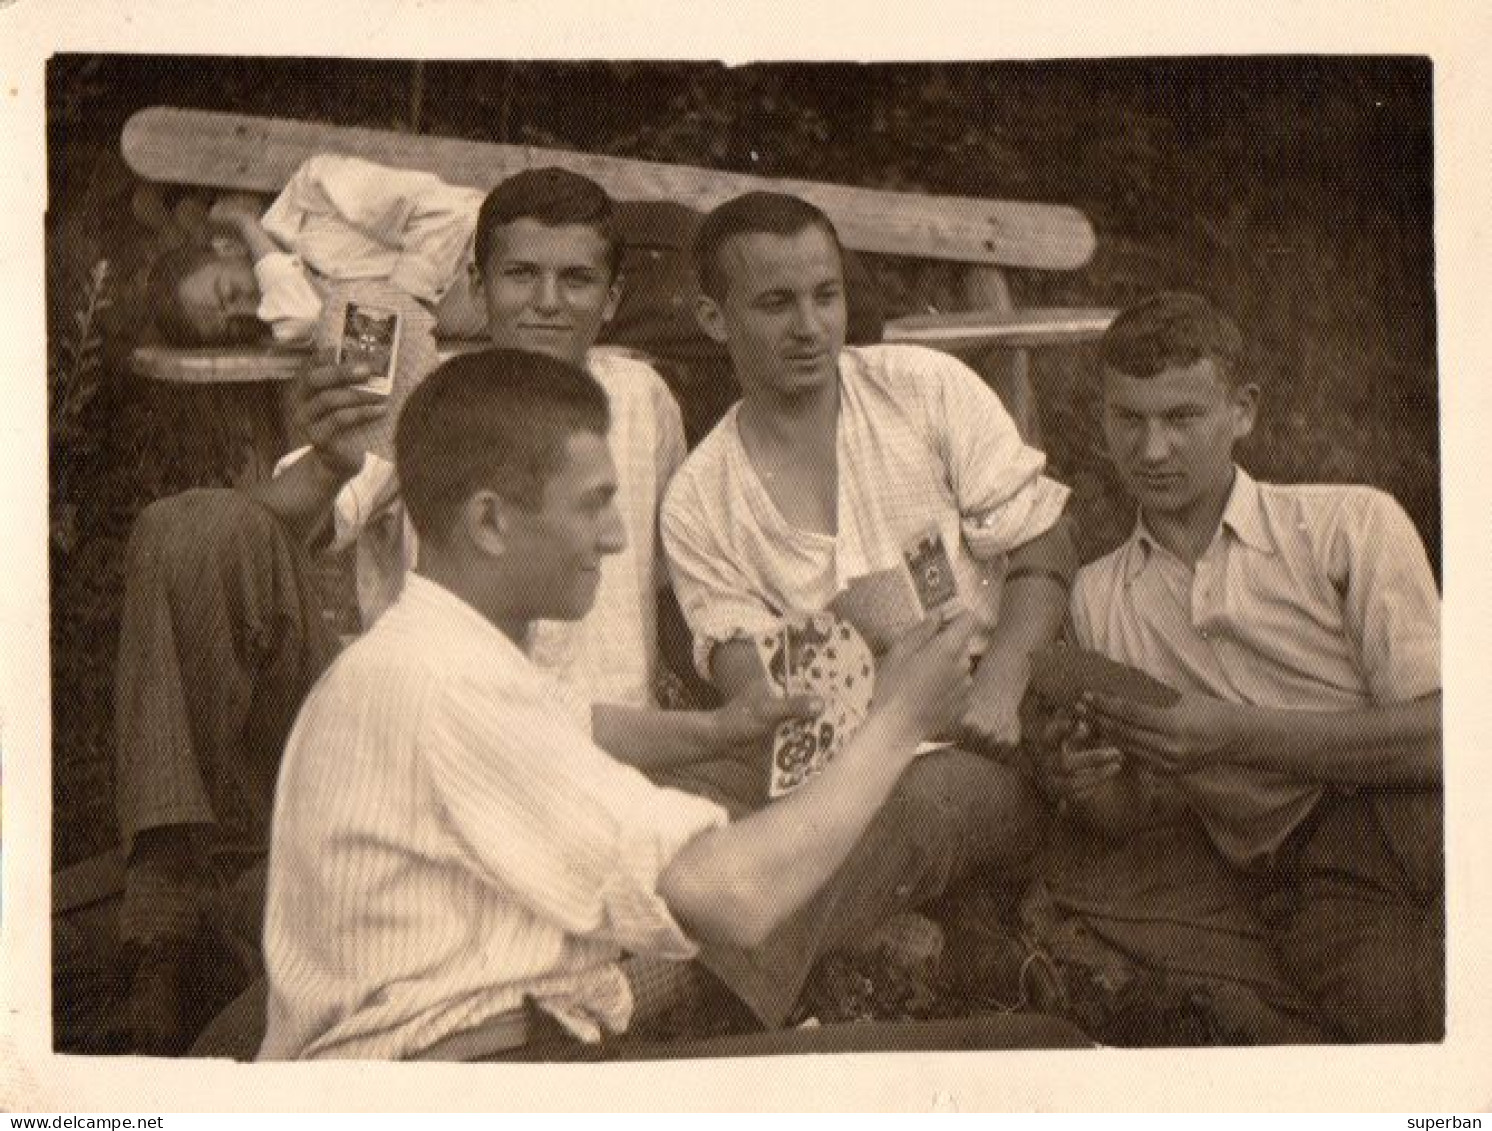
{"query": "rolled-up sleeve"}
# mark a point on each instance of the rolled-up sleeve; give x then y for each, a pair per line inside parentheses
(1003, 497)
(1391, 606)
(716, 598)
(577, 837)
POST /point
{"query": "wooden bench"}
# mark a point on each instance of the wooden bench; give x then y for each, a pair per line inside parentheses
(258, 154)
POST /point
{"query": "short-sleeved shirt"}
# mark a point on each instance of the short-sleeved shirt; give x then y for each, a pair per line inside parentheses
(611, 654)
(1311, 598)
(448, 842)
(921, 442)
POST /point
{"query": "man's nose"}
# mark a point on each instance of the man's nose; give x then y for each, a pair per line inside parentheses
(806, 321)
(547, 293)
(1155, 444)
(613, 538)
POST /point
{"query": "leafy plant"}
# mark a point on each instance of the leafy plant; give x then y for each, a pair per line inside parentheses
(74, 367)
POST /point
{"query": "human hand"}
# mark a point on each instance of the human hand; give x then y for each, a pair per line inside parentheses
(1195, 731)
(330, 408)
(924, 679)
(1072, 766)
(744, 725)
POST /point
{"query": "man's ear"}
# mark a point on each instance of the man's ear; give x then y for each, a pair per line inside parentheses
(710, 317)
(613, 299)
(1245, 398)
(484, 522)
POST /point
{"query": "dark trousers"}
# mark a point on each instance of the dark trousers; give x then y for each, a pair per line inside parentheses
(1356, 901)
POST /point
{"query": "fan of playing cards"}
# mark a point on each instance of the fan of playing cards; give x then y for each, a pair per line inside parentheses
(816, 654)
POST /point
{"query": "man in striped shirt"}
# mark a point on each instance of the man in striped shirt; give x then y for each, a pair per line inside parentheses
(453, 852)
(222, 634)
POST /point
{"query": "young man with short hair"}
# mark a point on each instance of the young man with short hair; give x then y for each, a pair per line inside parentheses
(1301, 625)
(222, 634)
(832, 461)
(454, 859)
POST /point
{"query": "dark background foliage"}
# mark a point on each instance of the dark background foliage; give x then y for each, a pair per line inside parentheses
(1295, 191)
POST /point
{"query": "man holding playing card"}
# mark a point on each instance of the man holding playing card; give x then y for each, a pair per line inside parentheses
(1300, 626)
(841, 466)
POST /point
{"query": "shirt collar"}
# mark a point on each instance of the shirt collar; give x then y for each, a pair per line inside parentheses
(1243, 517)
(444, 612)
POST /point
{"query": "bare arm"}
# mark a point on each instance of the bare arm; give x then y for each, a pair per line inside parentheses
(738, 883)
(1033, 604)
(655, 740)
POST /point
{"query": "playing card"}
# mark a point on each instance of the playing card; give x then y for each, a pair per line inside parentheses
(881, 605)
(771, 650)
(931, 570)
(370, 338)
(1060, 674)
(413, 358)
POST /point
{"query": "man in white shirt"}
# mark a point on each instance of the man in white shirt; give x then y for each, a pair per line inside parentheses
(1301, 625)
(834, 459)
(453, 856)
(222, 633)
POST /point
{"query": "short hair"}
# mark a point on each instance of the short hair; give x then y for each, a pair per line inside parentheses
(496, 418)
(775, 213)
(1171, 329)
(553, 197)
(163, 299)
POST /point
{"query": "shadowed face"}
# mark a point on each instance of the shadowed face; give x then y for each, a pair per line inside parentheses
(1172, 436)
(555, 550)
(220, 300)
(783, 312)
(548, 289)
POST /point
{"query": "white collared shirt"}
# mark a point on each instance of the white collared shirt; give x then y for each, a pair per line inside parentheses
(448, 842)
(1309, 597)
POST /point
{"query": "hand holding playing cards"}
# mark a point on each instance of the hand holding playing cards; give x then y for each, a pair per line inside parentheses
(743, 727)
(1193, 732)
(1073, 764)
(330, 409)
(925, 676)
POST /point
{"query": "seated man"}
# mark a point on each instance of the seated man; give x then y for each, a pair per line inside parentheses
(453, 856)
(1301, 625)
(833, 460)
(222, 636)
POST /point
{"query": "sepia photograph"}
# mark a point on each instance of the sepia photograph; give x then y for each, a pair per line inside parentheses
(571, 561)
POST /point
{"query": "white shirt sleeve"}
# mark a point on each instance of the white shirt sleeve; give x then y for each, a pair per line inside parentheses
(1391, 606)
(346, 216)
(576, 836)
(362, 498)
(288, 300)
(715, 596)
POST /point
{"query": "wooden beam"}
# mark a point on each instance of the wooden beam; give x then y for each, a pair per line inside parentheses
(1015, 329)
(258, 154)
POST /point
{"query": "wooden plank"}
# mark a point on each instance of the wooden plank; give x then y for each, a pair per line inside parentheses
(242, 365)
(216, 366)
(258, 154)
(1017, 329)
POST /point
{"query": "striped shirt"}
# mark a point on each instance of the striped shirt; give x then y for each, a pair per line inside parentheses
(611, 655)
(1310, 598)
(448, 842)
(921, 441)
